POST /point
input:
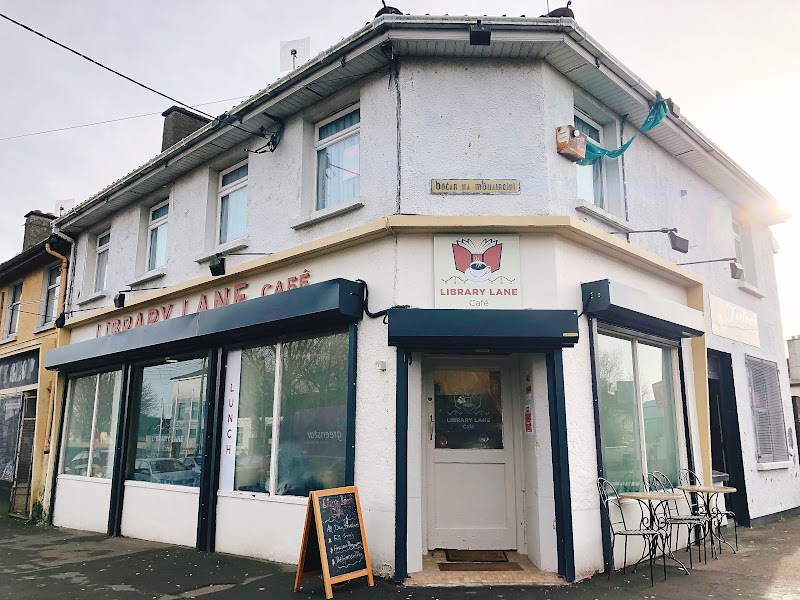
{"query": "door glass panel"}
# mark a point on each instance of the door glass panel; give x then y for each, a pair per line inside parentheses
(468, 409)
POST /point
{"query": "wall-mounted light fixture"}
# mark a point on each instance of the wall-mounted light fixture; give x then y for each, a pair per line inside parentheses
(480, 35)
(737, 271)
(678, 243)
(119, 297)
(217, 264)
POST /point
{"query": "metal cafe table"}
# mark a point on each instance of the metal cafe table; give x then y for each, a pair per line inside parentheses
(710, 492)
(653, 499)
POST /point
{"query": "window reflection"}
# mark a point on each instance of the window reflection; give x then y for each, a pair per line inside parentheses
(169, 412)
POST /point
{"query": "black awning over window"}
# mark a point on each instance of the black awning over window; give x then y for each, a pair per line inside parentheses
(465, 330)
(319, 305)
(634, 309)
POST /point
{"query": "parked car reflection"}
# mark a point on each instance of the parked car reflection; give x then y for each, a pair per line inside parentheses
(165, 470)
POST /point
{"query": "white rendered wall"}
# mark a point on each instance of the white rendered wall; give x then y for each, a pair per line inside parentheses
(160, 513)
(82, 503)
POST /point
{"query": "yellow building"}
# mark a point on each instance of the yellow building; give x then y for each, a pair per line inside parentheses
(31, 298)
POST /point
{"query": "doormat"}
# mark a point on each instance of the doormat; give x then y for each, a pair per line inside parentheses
(468, 566)
(490, 556)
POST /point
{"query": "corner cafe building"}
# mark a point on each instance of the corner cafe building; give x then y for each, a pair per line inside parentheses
(204, 413)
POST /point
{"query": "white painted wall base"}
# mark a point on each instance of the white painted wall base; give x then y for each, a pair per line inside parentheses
(82, 503)
(160, 513)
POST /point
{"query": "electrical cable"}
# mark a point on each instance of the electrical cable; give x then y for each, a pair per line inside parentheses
(222, 118)
(23, 135)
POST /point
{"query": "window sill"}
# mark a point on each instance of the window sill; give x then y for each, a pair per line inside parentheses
(166, 487)
(327, 213)
(772, 466)
(84, 478)
(751, 289)
(606, 217)
(149, 276)
(92, 297)
(45, 327)
(8, 340)
(232, 246)
(262, 497)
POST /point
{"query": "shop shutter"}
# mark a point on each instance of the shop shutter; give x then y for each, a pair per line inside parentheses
(765, 396)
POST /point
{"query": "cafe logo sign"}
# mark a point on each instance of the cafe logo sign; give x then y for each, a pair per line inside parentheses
(477, 271)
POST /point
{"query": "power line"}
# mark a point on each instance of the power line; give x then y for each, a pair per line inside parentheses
(134, 81)
(23, 135)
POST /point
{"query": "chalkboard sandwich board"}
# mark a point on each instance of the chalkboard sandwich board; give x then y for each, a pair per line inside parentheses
(334, 543)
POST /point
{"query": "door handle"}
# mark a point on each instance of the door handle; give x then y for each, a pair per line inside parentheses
(430, 427)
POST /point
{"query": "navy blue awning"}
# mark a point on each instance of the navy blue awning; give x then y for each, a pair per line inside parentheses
(320, 305)
(465, 330)
(625, 306)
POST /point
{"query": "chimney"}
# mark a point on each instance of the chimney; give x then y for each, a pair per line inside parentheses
(178, 124)
(38, 226)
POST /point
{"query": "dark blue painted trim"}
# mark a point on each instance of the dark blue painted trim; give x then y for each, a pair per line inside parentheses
(209, 475)
(561, 481)
(401, 470)
(120, 454)
(352, 369)
(57, 450)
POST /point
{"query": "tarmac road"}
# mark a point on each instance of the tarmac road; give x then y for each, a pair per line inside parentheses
(45, 563)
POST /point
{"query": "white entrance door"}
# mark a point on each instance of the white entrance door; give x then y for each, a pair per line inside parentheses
(470, 468)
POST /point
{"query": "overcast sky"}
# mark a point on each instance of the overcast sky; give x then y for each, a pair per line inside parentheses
(731, 65)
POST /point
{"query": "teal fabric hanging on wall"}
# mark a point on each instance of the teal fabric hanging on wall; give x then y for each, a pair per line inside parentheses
(654, 117)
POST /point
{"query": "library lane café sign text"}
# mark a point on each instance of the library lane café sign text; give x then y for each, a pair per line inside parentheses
(207, 300)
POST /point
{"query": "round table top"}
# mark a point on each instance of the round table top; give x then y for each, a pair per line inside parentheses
(657, 496)
(708, 489)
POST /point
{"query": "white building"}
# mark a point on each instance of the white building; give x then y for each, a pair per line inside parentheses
(482, 417)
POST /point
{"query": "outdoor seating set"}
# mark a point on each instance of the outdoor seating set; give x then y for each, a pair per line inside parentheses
(664, 510)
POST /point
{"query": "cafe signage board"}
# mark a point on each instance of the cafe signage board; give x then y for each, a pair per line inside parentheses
(476, 271)
(734, 322)
(474, 186)
(334, 543)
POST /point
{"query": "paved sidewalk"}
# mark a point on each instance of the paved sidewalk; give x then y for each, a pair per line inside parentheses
(48, 563)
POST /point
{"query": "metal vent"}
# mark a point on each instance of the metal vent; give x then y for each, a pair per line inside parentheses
(765, 396)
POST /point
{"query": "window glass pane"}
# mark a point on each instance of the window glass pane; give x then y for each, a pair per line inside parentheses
(338, 172)
(233, 215)
(312, 436)
(55, 276)
(469, 409)
(105, 428)
(658, 407)
(16, 294)
(234, 175)
(163, 413)
(50, 304)
(340, 124)
(159, 212)
(254, 425)
(158, 247)
(10, 406)
(100, 272)
(590, 177)
(13, 310)
(78, 430)
(619, 414)
(103, 240)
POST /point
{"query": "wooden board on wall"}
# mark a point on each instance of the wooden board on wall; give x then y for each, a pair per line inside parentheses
(333, 542)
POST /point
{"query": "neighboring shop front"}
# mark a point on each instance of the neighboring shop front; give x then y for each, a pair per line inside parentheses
(464, 413)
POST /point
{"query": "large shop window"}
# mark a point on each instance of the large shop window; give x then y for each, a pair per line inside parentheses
(10, 407)
(765, 395)
(90, 429)
(291, 434)
(638, 410)
(169, 416)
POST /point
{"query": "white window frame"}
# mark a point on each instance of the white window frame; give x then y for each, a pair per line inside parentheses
(46, 287)
(603, 167)
(7, 333)
(742, 239)
(99, 250)
(329, 141)
(224, 191)
(636, 337)
(151, 225)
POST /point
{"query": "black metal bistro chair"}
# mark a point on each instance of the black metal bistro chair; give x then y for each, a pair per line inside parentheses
(646, 529)
(674, 519)
(688, 477)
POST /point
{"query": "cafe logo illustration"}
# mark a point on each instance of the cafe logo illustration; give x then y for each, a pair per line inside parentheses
(477, 271)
